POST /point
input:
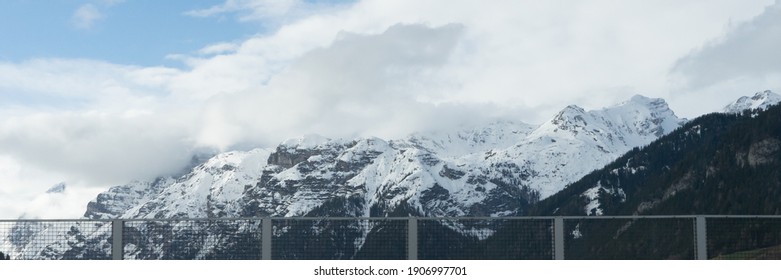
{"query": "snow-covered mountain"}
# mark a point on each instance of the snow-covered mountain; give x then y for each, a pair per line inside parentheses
(761, 100)
(577, 141)
(498, 169)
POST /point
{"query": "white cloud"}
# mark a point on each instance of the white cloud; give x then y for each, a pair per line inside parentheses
(219, 48)
(748, 49)
(86, 15)
(270, 14)
(360, 85)
(537, 58)
(744, 60)
(98, 146)
(69, 204)
(81, 84)
(22, 189)
(111, 2)
(249, 9)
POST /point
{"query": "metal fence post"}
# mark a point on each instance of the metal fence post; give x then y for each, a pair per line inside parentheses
(117, 246)
(412, 238)
(702, 238)
(266, 232)
(558, 238)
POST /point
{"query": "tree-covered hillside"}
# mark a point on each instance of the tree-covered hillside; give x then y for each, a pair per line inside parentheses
(718, 164)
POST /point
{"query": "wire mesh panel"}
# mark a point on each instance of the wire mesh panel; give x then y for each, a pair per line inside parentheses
(744, 238)
(61, 239)
(339, 239)
(485, 239)
(637, 237)
(629, 238)
(192, 240)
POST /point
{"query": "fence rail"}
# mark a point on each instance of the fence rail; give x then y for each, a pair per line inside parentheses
(562, 237)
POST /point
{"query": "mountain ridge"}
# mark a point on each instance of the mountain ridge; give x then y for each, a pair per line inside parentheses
(499, 170)
(760, 100)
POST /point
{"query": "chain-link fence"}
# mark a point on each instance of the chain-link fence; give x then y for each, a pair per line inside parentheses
(483, 238)
(56, 239)
(192, 240)
(339, 239)
(632, 238)
(744, 238)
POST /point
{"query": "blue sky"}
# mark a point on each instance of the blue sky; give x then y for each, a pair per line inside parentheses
(135, 32)
(96, 93)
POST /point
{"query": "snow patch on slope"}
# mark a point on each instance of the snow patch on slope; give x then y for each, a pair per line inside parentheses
(592, 208)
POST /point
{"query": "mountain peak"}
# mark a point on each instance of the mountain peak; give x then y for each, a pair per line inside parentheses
(761, 100)
(307, 141)
(654, 104)
(639, 98)
(574, 108)
(569, 118)
(57, 188)
(569, 112)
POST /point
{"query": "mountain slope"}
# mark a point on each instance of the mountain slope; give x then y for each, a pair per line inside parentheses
(718, 164)
(589, 138)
